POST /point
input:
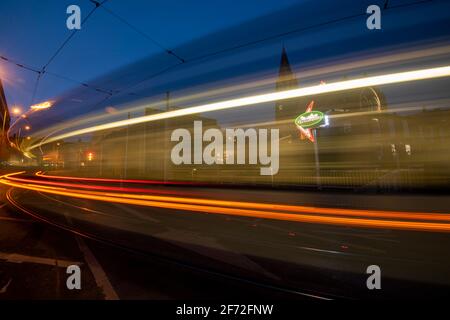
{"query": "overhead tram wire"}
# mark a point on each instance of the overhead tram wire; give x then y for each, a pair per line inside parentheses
(207, 55)
(43, 69)
(84, 84)
(36, 84)
(28, 68)
(20, 65)
(110, 93)
(283, 34)
(38, 72)
(145, 35)
(97, 5)
(386, 6)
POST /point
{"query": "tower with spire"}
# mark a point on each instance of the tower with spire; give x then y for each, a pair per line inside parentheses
(287, 110)
(286, 78)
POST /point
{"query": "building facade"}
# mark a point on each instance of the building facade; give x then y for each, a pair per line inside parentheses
(4, 122)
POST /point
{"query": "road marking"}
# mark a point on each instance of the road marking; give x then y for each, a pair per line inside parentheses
(73, 205)
(208, 246)
(20, 258)
(2, 205)
(3, 290)
(322, 250)
(99, 274)
(136, 213)
(16, 219)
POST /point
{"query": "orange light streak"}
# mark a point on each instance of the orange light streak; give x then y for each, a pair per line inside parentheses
(288, 208)
(244, 211)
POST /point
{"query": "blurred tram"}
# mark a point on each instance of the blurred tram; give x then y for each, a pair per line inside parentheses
(384, 137)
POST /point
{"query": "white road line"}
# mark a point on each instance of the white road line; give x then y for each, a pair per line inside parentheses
(136, 213)
(20, 258)
(2, 205)
(3, 290)
(100, 277)
(16, 219)
(99, 274)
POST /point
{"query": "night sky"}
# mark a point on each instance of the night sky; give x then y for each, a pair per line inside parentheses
(106, 53)
(31, 31)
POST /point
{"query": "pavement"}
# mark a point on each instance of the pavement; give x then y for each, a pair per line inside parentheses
(34, 258)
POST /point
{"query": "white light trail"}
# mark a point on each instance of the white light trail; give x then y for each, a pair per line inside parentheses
(415, 75)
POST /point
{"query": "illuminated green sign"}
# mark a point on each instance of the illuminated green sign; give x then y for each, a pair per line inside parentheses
(311, 119)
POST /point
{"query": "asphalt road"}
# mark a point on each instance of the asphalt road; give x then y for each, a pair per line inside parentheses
(34, 256)
(184, 254)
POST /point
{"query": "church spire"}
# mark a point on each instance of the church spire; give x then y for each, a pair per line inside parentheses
(286, 78)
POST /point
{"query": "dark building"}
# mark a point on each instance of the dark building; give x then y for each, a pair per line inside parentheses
(4, 122)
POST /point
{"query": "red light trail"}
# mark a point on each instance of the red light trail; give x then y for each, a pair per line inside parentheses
(423, 221)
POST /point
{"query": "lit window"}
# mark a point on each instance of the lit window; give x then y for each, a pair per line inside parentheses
(393, 150)
(408, 149)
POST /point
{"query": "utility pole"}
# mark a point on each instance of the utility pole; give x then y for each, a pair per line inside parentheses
(166, 136)
(4, 140)
(101, 154)
(18, 138)
(316, 158)
(4, 123)
(126, 150)
(4, 104)
(144, 151)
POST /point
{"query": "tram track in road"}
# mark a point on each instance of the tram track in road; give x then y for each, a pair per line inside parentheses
(95, 229)
(414, 221)
(274, 289)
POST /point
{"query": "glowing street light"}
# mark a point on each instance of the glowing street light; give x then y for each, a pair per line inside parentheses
(42, 105)
(16, 111)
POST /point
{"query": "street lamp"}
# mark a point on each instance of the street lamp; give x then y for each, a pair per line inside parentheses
(17, 112)
(42, 105)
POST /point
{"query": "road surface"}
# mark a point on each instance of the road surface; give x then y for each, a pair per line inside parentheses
(156, 241)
